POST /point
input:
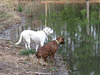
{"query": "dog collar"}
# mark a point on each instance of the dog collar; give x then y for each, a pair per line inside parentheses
(45, 32)
(57, 42)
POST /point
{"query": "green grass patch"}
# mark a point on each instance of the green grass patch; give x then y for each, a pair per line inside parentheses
(20, 8)
(53, 69)
(27, 52)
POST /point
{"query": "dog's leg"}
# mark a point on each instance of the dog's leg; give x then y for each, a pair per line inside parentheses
(41, 44)
(27, 44)
(53, 56)
(37, 45)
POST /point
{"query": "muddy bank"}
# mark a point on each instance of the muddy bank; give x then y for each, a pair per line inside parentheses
(11, 63)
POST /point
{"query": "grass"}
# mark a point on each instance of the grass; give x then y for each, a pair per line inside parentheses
(53, 69)
(20, 8)
(27, 52)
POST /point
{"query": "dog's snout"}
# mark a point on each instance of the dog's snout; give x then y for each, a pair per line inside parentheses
(63, 42)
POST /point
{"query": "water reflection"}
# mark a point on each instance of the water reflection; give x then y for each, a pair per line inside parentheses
(81, 50)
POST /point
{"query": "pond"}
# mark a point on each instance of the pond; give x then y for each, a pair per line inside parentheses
(81, 50)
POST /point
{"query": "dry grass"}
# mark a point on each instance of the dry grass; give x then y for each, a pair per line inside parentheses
(8, 16)
(35, 61)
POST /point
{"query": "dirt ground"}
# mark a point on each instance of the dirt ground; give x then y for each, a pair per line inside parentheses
(11, 63)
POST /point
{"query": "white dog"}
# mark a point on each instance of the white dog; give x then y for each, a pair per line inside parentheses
(37, 36)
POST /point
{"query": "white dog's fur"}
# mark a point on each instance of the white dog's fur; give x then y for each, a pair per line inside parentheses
(37, 36)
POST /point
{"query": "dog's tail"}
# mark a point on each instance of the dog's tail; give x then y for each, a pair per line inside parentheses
(19, 40)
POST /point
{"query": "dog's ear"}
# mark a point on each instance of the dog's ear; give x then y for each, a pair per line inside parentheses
(59, 39)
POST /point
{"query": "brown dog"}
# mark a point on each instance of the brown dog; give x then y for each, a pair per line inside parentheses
(49, 49)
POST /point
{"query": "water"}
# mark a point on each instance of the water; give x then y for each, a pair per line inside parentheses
(81, 51)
